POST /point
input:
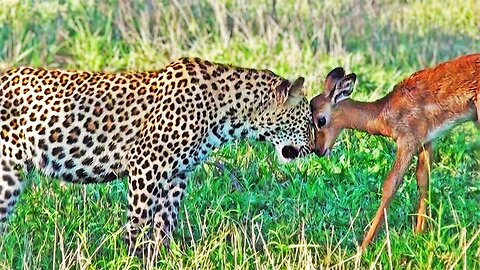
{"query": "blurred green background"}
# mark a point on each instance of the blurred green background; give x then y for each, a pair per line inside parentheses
(306, 215)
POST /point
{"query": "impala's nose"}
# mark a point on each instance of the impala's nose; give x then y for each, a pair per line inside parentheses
(318, 153)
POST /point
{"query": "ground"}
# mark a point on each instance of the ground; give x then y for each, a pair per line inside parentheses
(310, 213)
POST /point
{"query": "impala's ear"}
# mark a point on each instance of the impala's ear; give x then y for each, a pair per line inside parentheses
(343, 88)
(292, 93)
(331, 80)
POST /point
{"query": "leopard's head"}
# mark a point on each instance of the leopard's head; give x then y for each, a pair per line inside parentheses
(285, 120)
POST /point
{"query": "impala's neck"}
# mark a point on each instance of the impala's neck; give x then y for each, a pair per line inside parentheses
(365, 116)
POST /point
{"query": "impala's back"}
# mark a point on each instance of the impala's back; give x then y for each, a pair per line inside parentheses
(434, 100)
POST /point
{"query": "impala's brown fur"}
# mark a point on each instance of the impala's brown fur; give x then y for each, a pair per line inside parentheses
(417, 111)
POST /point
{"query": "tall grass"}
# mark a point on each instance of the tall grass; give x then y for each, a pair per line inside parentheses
(305, 215)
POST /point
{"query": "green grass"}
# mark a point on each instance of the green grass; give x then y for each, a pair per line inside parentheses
(306, 215)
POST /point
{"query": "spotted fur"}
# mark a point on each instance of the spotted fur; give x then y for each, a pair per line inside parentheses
(152, 127)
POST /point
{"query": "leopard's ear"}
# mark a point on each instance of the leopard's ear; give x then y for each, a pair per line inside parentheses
(291, 94)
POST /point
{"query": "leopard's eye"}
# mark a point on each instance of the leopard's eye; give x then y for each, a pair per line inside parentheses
(321, 121)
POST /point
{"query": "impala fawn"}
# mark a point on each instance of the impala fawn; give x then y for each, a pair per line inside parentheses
(418, 110)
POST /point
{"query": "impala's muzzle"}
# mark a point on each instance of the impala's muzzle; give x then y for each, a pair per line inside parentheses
(323, 153)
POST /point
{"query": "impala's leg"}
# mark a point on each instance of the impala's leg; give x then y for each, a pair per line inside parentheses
(477, 104)
(166, 214)
(423, 172)
(405, 153)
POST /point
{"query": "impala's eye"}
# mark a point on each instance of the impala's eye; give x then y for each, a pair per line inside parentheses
(321, 122)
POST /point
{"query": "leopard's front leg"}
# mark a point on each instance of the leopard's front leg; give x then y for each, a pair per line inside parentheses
(154, 197)
(142, 198)
(166, 214)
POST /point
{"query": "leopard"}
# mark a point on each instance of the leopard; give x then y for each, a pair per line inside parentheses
(150, 127)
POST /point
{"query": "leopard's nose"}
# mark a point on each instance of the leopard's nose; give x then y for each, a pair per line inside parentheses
(290, 152)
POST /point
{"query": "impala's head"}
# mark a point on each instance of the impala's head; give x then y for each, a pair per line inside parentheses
(338, 87)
